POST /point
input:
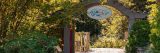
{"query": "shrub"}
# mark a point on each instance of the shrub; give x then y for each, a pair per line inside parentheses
(104, 42)
(154, 20)
(112, 31)
(139, 36)
(33, 42)
(155, 33)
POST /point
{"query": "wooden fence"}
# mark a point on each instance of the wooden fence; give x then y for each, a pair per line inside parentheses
(82, 41)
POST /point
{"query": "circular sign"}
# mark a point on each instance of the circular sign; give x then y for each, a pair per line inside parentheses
(99, 12)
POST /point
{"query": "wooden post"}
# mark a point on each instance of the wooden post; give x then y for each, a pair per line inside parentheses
(66, 40)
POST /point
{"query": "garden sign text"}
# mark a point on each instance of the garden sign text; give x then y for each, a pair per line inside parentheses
(99, 12)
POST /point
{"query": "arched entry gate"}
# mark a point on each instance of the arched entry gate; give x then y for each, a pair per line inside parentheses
(132, 15)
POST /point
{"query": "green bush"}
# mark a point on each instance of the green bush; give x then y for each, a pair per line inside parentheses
(155, 33)
(139, 36)
(154, 20)
(111, 42)
(33, 42)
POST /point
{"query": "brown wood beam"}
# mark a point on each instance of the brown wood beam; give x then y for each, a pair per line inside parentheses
(131, 14)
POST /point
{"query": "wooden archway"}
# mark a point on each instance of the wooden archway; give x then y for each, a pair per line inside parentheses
(131, 14)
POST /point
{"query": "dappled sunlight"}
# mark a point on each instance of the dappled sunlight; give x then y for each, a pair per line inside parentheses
(68, 26)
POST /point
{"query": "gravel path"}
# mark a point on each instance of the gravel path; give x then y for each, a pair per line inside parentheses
(104, 50)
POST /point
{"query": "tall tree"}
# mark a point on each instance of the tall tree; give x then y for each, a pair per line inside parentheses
(19, 16)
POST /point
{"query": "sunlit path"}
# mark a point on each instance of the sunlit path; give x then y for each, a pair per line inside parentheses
(104, 50)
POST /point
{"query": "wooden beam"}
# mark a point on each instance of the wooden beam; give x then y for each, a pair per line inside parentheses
(126, 11)
(131, 14)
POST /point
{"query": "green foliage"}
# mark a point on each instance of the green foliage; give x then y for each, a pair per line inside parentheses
(17, 17)
(48, 16)
(87, 24)
(105, 42)
(127, 3)
(82, 22)
(153, 19)
(31, 42)
(139, 36)
(112, 31)
(138, 5)
(114, 26)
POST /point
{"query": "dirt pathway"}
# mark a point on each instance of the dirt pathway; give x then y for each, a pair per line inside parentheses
(104, 50)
